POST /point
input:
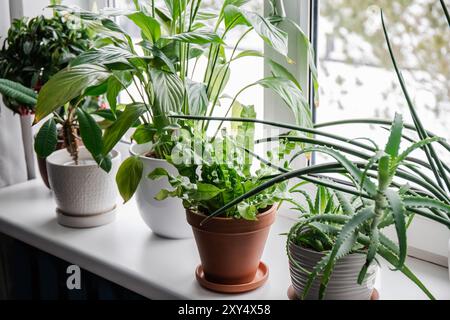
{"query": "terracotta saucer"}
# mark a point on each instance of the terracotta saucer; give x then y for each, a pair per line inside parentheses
(291, 294)
(260, 278)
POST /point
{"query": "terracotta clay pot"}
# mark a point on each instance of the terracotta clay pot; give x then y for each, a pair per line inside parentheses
(42, 164)
(230, 249)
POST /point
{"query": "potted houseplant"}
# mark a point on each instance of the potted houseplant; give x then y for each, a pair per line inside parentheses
(310, 239)
(168, 80)
(34, 50)
(212, 173)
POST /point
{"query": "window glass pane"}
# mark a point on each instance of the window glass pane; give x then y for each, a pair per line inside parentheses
(356, 75)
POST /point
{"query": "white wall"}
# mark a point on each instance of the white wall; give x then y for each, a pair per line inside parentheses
(12, 156)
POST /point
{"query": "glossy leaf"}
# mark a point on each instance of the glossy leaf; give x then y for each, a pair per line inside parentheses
(129, 176)
(18, 92)
(125, 121)
(67, 85)
(46, 139)
(197, 97)
(150, 27)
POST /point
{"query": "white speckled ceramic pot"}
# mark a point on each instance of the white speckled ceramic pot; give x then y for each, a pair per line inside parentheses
(85, 195)
(166, 218)
(343, 282)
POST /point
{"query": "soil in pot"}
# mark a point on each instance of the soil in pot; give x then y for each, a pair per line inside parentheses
(230, 249)
(343, 282)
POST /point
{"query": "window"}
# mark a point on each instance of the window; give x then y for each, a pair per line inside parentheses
(355, 72)
(357, 79)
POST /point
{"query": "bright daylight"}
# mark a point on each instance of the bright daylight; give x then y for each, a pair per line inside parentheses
(249, 154)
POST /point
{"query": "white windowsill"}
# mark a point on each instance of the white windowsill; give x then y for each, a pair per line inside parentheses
(127, 253)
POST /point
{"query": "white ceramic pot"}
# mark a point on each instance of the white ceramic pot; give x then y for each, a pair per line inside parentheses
(166, 218)
(85, 195)
(343, 282)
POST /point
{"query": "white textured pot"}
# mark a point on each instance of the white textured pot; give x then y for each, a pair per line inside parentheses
(85, 195)
(166, 218)
(343, 282)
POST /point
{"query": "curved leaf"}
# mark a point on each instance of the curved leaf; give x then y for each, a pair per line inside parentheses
(90, 132)
(125, 121)
(150, 27)
(168, 96)
(292, 96)
(395, 137)
(18, 92)
(67, 85)
(197, 97)
(129, 176)
(273, 36)
(46, 139)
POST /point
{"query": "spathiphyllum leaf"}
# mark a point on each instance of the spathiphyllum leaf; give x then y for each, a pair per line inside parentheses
(149, 26)
(168, 97)
(90, 132)
(46, 139)
(125, 121)
(129, 176)
(197, 37)
(292, 96)
(273, 36)
(67, 85)
(197, 97)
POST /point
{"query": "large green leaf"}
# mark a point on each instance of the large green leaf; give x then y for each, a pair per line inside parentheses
(151, 29)
(90, 132)
(280, 71)
(197, 37)
(67, 85)
(169, 95)
(273, 36)
(129, 176)
(18, 92)
(220, 77)
(46, 139)
(292, 96)
(103, 56)
(197, 97)
(144, 133)
(124, 122)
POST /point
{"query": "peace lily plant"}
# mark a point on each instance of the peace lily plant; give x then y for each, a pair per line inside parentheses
(389, 187)
(161, 74)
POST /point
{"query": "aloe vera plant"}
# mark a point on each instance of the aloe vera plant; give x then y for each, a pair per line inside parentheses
(392, 186)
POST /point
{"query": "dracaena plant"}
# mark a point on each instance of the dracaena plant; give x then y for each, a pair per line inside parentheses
(163, 66)
(392, 185)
